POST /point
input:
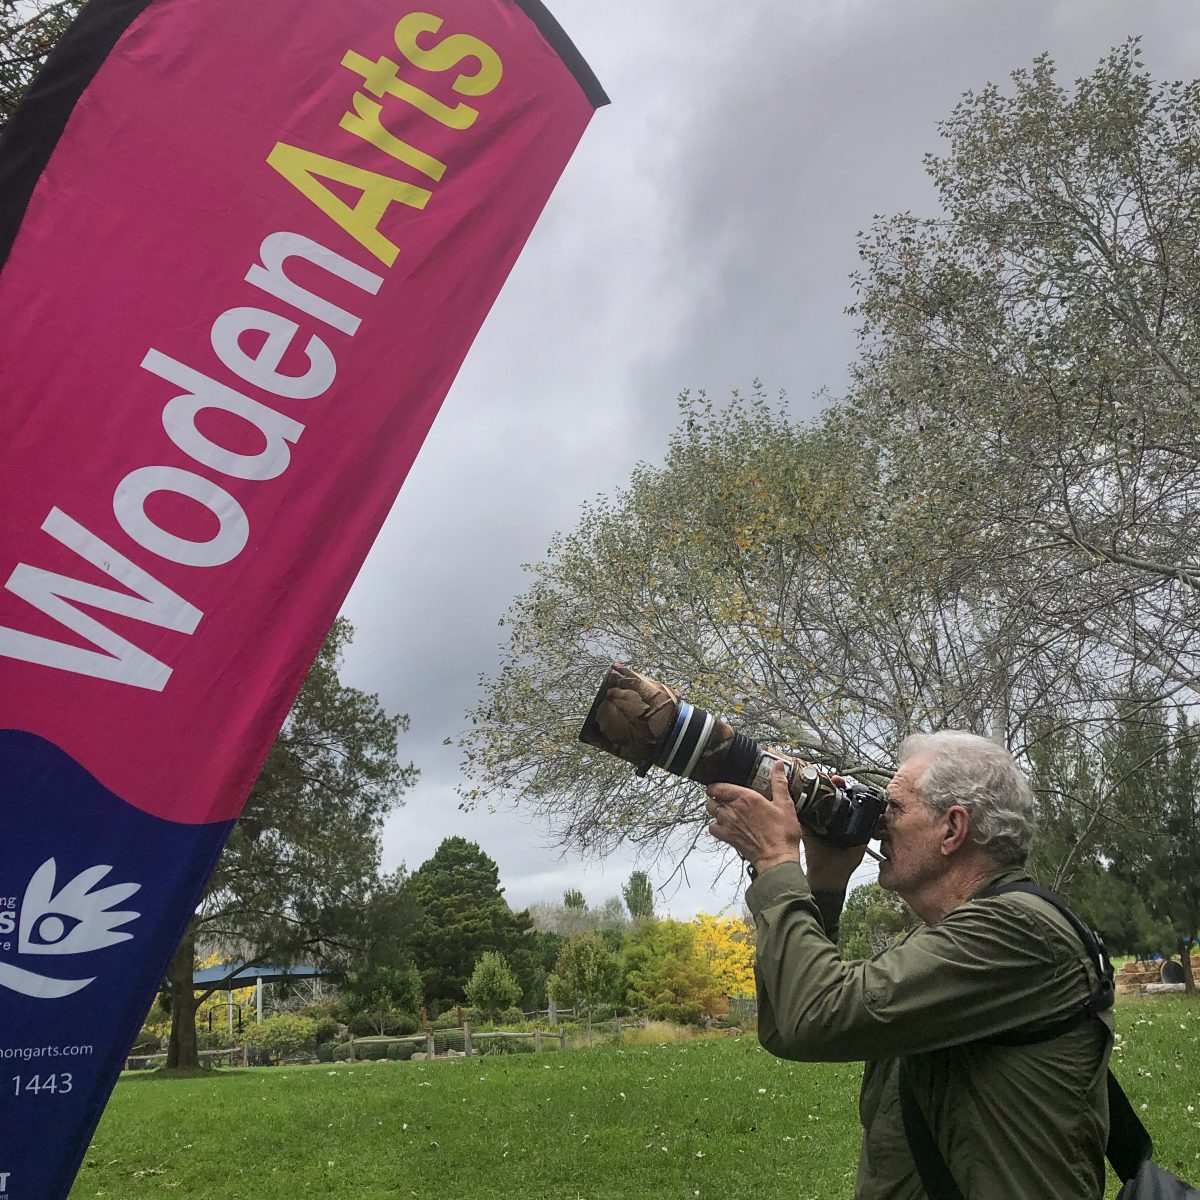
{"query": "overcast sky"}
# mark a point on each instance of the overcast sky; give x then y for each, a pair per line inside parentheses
(702, 235)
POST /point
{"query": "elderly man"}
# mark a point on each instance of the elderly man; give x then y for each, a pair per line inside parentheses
(1025, 1121)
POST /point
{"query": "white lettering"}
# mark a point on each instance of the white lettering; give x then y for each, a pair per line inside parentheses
(129, 507)
(51, 594)
(275, 251)
(179, 420)
(260, 369)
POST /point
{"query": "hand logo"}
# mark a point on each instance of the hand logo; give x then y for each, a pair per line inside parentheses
(76, 920)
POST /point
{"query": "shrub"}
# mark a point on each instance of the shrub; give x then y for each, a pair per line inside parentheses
(494, 1046)
(362, 1025)
(326, 1050)
(655, 1033)
(402, 1051)
(282, 1035)
(324, 1009)
(328, 1030)
(370, 1051)
(447, 1020)
(340, 1052)
(388, 1024)
(215, 1039)
(146, 1042)
(493, 986)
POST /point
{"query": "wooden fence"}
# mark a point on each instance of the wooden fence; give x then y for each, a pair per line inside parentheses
(469, 1039)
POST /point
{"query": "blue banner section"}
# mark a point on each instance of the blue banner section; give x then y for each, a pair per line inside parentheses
(93, 893)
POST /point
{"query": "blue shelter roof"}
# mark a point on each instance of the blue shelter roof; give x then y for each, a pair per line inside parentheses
(238, 975)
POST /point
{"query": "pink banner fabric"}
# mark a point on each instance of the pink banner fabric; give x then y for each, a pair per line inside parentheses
(253, 245)
(243, 286)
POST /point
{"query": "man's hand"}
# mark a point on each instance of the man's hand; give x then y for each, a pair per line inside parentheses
(829, 866)
(764, 832)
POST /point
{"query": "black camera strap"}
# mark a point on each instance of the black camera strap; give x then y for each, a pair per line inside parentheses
(1129, 1144)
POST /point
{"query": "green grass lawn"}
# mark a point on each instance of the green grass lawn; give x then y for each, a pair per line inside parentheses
(713, 1118)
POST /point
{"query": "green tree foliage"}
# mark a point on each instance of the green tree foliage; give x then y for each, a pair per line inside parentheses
(462, 914)
(871, 920)
(573, 898)
(537, 961)
(492, 985)
(666, 977)
(1155, 830)
(302, 862)
(1114, 906)
(639, 896)
(278, 1036)
(1118, 815)
(380, 994)
(28, 32)
(587, 972)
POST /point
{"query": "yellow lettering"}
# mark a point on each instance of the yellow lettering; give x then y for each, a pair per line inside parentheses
(367, 125)
(380, 78)
(304, 170)
(449, 53)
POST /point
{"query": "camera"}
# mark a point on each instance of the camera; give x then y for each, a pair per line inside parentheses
(649, 725)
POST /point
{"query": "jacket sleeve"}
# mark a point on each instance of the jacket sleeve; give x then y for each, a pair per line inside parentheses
(991, 964)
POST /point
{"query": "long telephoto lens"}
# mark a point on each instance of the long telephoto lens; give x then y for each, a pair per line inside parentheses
(649, 724)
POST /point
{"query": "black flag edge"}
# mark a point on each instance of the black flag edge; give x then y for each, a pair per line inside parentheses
(566, 49)
(35, 128)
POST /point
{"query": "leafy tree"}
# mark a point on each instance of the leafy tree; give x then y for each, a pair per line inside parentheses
(573, 898)
(28, 32)
(639, 896)
(1029, 377)
(463, 913)
(587, 972)
(302, 860)
(567, 920)
(871, 920)
(1113, 906)
(380, 993)
(544, 947)
(728, 944)
(995, 529)
(1154, 833)
(492, 985)
(666, 976)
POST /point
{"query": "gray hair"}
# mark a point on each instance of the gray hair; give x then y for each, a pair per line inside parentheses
(982, 777)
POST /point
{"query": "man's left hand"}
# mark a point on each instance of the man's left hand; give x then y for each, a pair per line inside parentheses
(764, 832)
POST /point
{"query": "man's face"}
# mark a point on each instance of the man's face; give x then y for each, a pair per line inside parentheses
(910, 835)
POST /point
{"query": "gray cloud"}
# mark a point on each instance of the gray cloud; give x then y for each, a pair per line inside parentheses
(702, 235)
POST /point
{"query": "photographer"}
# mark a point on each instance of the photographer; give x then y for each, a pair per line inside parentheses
(1016, 1120)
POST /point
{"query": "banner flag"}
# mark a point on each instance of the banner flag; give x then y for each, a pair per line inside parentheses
(243, 252)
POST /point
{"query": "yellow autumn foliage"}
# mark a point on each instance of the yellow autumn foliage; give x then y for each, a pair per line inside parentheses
(728, 944)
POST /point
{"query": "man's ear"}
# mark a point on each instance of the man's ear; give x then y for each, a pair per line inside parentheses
(957, 829)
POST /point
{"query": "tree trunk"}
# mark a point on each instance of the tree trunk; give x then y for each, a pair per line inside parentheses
(183, 1051)
(1185, 960)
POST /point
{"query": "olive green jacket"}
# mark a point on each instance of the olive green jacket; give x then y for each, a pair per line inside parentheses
(1027, 1121)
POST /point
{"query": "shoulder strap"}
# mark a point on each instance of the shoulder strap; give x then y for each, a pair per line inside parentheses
(931, 1166)
(1129, 1143)
(1101, 999)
